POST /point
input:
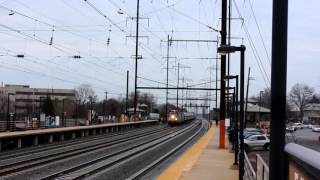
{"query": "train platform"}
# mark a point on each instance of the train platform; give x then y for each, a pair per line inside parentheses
(204, 160)
(61, 133)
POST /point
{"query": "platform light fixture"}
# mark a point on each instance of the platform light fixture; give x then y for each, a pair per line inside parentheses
(225, 49)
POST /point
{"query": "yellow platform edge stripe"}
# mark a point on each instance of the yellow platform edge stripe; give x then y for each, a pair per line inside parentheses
(188, 159)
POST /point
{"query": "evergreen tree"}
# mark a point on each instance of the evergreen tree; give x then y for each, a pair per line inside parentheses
(48, 107)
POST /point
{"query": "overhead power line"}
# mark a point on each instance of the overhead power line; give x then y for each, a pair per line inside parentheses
(255, 52)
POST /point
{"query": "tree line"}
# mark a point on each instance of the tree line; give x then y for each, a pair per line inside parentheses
(87, 99)
(299, 98)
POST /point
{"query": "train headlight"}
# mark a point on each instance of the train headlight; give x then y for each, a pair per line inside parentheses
(172, 117)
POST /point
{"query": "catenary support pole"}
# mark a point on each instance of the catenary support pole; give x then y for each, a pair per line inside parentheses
(278, 90)
(136, 64)
(127, 94)
(222, 74)
(241, 159)
(236, 128)
(229, 44)
(178, 86)
(247, 94)
(167, 83)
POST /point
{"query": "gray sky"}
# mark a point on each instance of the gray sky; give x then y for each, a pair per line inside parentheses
(79, 29)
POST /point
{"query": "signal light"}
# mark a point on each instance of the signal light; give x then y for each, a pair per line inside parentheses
(20, 55)
(76, 57)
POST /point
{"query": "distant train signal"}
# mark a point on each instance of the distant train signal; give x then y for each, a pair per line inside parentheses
(76, 57)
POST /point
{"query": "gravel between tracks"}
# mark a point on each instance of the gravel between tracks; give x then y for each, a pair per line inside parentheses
(134, 164)
(120, 170)
(38, 172)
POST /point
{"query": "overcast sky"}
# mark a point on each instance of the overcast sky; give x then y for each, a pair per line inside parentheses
(80, 28)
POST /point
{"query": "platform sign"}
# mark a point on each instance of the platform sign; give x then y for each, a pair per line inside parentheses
(227, 122)
(57, 122)
(42, 117)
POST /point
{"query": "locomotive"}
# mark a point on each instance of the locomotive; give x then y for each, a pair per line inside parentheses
(177, 117)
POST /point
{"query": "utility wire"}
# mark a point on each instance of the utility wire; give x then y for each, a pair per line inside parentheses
(257, 57)
(262, 40)
(105, 16)
(163, 83)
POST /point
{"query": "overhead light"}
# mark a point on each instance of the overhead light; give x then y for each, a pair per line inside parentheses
(224, 49)
(230, 77)
(11, 13)
(20, 55)
(120, 11)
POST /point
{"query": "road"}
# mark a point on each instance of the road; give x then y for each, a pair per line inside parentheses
(304, 137)
(307, 138)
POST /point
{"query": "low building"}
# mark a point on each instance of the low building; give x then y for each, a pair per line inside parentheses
(142, 110)
(26, 102)
(312, 114)
(257, 116)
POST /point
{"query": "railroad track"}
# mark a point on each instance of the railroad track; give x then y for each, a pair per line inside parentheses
(40, 148)
(87, 169)
(161, 159)
(19, 163)
(91, 158)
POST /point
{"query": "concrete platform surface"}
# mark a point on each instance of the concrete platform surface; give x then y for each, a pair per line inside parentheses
(203, 161)
(65, 129)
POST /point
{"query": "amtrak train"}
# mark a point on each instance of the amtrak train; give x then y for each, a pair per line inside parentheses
(177, 117)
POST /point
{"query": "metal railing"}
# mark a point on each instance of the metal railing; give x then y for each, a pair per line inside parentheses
(249, 172)
(262, 169)
(302, 162)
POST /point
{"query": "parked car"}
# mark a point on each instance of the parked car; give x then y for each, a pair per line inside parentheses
(291, 128)
(257, 141)
(252, 130)
(298, 125)
(316, 128)
(309, 126)
(248, 134)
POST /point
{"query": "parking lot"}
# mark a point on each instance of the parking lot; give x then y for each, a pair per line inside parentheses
(307, 138)
(304, 137)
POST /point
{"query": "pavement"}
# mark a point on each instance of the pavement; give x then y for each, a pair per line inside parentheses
(307, 138)
(204, 160)
(304, 137)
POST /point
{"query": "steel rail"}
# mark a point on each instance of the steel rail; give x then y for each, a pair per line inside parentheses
(155, 163)
(101, 161)
(37, 161)
(41, 148)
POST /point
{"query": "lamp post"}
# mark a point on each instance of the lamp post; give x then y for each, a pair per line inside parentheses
(260, 94)
(77, 108)
(8, 111)
(236, 128)
(91, 109)
(64, 113)
(231, 49)
(40, 105)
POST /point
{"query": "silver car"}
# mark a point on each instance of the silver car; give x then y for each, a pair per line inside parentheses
(316, 128)
(257, 141)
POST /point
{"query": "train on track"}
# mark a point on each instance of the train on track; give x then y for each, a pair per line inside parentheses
(177, 117)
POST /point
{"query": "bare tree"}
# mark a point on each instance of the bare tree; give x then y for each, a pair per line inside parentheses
(83, 92)
(3, 105)
(265, 100)
(301, 96)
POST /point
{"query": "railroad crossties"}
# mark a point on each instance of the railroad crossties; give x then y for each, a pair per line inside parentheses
(133, 153)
